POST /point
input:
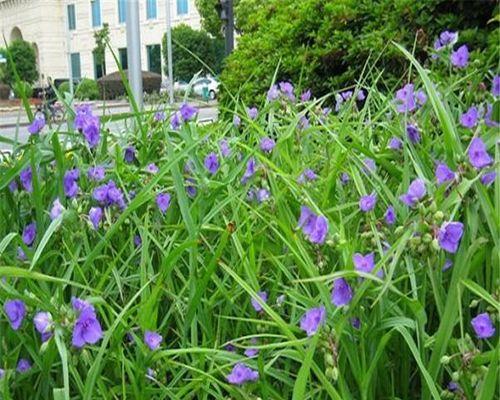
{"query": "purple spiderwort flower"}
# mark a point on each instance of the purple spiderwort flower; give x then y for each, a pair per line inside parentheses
(413, 133)
(26, 176)
(69, 182)
(249, 171)
(368, 202)
(95, 216)
(251, 352)
(262, 195)
(405, 99)
(241, 374)
(224, 148)
(44, 324)
(255, 304)
(312, 320)
(356, 323)
(212, 163)
(13, 186)
(478, 156)
(15, 311)
(129, 155)
(483, 326)
(287, 89)
(449, 236)
(444, 174)
(175, 121)
(395, 143)
(190, 187)
(447, 265)
(96, 173)
(152, 339)
(416, 191)
(37, 125)
(56, 210)
(390, 216)
(273, 93)
(495, 86)
(341, 293)
(79, 305)
(470, 118)
(83, 111)
(159, 116)
(267, 144)
(108, 194)
(307, 175)
(453, 386)
(314, 227)
(23, 365)
(137, 241)
(252, 113)
(303, 123)
(152, 168)
(344, 178)
(488, 117)
(163, 202)
(447, 38)
(236, 121)
(87, 329)
(21, 255)
(306, 96)
(2, 373)
(460, 57)
(29, 234)
(92, 131)
(488, 178)
(421, 97)
(361, 95)
(188, 112)
(364, 263)
(369, 166)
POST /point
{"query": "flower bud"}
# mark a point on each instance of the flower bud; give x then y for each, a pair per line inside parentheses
(455, 376)
(427, 238)
(445, 359)
(435, 244)
(473, 303)
(438, 216)
(329, 359)
(433, 207)
(399, 230)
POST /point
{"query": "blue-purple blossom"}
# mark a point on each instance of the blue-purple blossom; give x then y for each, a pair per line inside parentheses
(129, 155)
(447, 265)
(252, 112)
(44, 324)
(13, 186)
(405, 99)
(190, 187)
(444, 174)
(395, 143)
(15, 311)
(152, 168)
(159, 116)
(251, 352)
(108, 194)
(95, 216)
(314, 227)
(306, 96)
(224, 148)
(255, 304)
(79, 305)
(446, 38)
(87, 329)
(364, 263)
(69, 182)
(303, 123)
(249, 170)
(262, 195)
(287, 89)
(26, 178)
(188, 112)
(312, 320)
(361, 95)
(92, 131)
(488, 178)
(212, 163)
(82, 113)
(369, 166)
(341, 293)
(344, 178)
(56, 210)
(29, 234)
(488, 117)
(152, 339)
(478, 156)
(23, 365)
(307, 175)
(460, 57)
(96, 173)
(416, 191)
(390, 215)
(236, 120)
(163, 202)
(242, 374)
(273, 93)
(413, 133)
(37, 124)
(449, 236)
(495, 86)
(175, 121)
(368, 202)
(267, 144)
(483, 326)
(470, 118)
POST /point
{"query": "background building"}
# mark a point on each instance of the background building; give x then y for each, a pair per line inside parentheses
(51, 24)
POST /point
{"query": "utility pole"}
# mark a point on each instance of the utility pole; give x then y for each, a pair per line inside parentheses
(170, 69)
(134, 51)
(225, 9)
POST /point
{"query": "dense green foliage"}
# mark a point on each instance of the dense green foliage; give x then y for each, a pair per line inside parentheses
(191, 49)
(325, 44)
(210, 18)
(87, 89)
(23, 55)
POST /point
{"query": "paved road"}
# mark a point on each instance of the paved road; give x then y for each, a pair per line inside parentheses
(9, 122)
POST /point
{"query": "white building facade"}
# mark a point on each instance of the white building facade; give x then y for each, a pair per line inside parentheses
(62, 32)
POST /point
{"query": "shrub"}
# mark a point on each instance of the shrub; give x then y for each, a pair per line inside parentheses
(24, 57)
(64, 87)
(209, 50)
(111, 85)
(324, 44)
(87, 89)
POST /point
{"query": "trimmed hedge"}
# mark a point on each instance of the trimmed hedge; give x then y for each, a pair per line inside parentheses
(111, 85)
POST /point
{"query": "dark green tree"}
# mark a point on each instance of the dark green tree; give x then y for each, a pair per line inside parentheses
(101, 38)
(208, 49)
(24, 57)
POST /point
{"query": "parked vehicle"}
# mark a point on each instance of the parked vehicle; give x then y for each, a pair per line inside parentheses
(206, 87)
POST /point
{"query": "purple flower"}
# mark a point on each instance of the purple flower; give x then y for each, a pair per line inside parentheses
(188, 112)
(69, 183)
(488, 178)
(287, 89)
(495, 86)
(369, 165)
(212, 163)
(460, 57)
(252, 113)
(137, 241)
(241, 374)
(306, 96)
(2, 373)
(341, 293)
(483, 326)
(405, 99)
(421, 97)
(470, 118)
(251, 352)
(413, 133)
(314, 227)
(449, 236)
(190, 187)
(273, 93)
(26, 179)
(56, 210)
(163, 202)
(95, 216)
(23, 365)
(390, 215)
(262, 195)
(344, 178)
(224, 148)
(96, 173)
(368, 202)
(236, 121)
(175, 121)
(395, 143)
(87, 329)
(129, 155)
(267, 144)
(37, 125)
(488, 117)
(249, 171)
(312, 320)
(108, 194)
(256, 306)
(152, 339)
(453, 386)
(151, 168)
(444, 174)
(80, 305)
(364, 263)
(13, 186)
(416, 191)
(303, 123)
(448, 38)
(307, 175)
(447, 265)
(43, 324)
(361, 95)
(478, 156)
(29, 234)
(83, 112)
(91, 131)
(15, 311)
(356, 323)
(159, 116)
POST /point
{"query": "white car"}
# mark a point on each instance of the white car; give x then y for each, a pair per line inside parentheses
(211, 85)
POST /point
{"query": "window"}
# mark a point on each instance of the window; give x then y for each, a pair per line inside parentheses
(71, 17)
(123, 57)
(122, 11)
(151, 9)
(182, 7)
(75, 66)
(99, 65)
(96, 12)
(154, 58)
